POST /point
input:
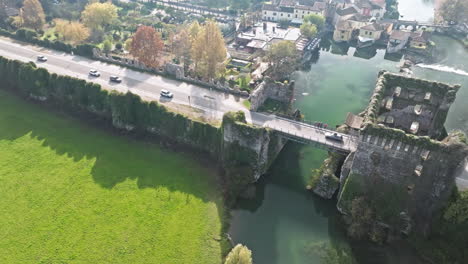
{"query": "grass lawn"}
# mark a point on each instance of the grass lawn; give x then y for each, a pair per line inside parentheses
(71, 193)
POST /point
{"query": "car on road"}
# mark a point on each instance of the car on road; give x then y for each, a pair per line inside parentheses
(41, 58)
(115, 79)
(94, 73)
(334, 137)
(167, 94)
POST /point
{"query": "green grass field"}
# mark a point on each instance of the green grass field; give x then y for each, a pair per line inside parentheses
(71, 193)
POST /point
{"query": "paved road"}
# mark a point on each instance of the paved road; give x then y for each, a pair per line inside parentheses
(211, 103)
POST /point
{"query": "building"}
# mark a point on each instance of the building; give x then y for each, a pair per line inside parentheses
(369, 34)
(292, 11)
(347, 30)
(262, 35)
(398, 41)
(343, 31)
(371, 8)
(420, 40)
(344, 14)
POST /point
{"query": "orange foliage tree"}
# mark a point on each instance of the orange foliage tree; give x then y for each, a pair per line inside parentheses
(147, 46)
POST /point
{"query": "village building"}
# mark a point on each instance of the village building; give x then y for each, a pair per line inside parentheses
(420, 40)
(262, 35)
(374, 32)
(292, 11)
(398, 41)
(347, 30)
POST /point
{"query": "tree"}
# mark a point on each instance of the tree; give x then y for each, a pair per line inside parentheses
(209, 50)
(32, 15)
(308, 30)
(283, 58)
(317, 20)
(128, 44)
(454, 11)
(74, 32)
(181, 46)
(107, 46)
(3, 13)
(239, 255)
(147, 46)
(283, 23)
(99, 15)
(240, 4)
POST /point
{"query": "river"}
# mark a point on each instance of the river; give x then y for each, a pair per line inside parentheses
(286, 223)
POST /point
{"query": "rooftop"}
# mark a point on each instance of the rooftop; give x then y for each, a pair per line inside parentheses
(400, 35)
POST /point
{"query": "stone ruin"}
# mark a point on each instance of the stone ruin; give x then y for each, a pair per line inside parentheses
(406, 164)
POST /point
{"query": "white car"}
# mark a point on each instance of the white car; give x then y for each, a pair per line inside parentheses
(41, 58)
(94, 73)
(167, 94)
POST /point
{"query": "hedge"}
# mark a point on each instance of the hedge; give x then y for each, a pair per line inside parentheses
(127, 111)
(31, 36)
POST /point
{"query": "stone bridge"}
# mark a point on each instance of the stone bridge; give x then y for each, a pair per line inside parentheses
(312, 135)
(415, 25)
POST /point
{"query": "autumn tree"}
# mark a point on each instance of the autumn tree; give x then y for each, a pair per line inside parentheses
(283, 58)
(209, 51)
(239, 255)
(308, 30)
(32, 15)
(146, 46)
(182, 45)
(99, 15)
(71, 31)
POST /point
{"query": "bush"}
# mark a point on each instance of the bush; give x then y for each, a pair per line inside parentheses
(239, 255)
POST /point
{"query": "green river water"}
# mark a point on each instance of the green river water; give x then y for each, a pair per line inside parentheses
(287, 224)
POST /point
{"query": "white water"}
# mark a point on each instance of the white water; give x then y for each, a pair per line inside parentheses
(443, 68)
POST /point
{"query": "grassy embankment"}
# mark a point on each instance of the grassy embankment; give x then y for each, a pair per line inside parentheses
(71, 193)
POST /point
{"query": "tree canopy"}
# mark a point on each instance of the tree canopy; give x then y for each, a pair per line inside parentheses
(317, 20)
(32, 15)
(239, 255)
(454, 11)
(209, 50)
(99, 15)
(146, 46)
(71, 31)
(308, 30)
(283, 58)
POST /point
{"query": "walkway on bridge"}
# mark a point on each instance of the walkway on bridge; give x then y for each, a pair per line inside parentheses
(309, 134)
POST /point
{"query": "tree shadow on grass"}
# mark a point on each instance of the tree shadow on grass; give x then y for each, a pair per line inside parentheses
(117, 157)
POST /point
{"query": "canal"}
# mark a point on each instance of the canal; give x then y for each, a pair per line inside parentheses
(287, 224)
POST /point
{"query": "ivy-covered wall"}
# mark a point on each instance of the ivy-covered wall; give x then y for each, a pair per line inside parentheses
(245, 151)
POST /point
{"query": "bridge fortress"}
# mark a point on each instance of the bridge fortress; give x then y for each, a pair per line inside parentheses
(404, 168)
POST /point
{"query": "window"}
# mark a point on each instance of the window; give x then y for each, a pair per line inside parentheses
(420, 45)
(342, 31)
(281, 14)
(370, 33)
(265, 12)
(274, 14)
(302, 16)
(296, 16)
(289, 15)
(342, 36)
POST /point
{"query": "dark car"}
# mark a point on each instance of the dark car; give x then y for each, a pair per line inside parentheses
(42, 58)
(115, 79)
(334, 137)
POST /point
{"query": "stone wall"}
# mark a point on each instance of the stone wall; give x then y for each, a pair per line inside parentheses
(171, 70)
(270, 89)
(407, 183)
(247, 146)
